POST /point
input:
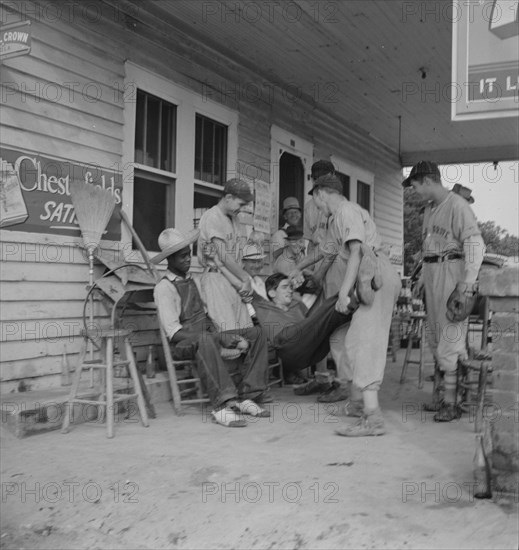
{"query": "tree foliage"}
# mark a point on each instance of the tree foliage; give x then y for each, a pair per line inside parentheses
(498, 240)
(413, 219)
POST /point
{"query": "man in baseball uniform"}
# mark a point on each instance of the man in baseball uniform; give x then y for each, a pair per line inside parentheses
(331, 274)
(219, 235)
(353, 236)
(452, 251)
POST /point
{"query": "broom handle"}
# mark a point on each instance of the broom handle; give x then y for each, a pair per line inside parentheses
(91, 280)
(140, 245)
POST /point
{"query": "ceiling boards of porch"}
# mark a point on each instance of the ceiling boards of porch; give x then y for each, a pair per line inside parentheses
(370, 63)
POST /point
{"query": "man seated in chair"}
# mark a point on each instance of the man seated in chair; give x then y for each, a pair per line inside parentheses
(194, 336)
(300, 336)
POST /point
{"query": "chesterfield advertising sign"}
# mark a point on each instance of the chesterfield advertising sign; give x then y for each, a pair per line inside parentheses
(15, 39)
(485, 59)
(35, 193)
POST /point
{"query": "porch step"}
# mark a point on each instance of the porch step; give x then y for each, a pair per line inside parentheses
(34, 412)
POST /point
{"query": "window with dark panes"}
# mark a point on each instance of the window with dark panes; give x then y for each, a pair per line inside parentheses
(155, 171)
(345, 180)
(364, 195)
(210, 150)
(210, 164)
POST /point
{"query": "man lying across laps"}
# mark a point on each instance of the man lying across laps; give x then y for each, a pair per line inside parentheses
(188, 327)
(300, 336)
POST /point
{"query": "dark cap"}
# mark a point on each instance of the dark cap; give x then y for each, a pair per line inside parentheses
(464, 192)
(329, 180)
(239, 189)
(294, 233)
(291, 202)
(321, 168)
(422, 168)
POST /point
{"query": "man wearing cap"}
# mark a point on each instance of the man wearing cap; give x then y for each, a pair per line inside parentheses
(191, 331)
(331, 275)
(353, 239)
(292, 253)
(292, 217)
(452, 251)
(219, 230)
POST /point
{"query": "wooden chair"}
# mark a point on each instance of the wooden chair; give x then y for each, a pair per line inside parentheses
(417, 334)
(107, 400)
(180, 395)
(276, 374)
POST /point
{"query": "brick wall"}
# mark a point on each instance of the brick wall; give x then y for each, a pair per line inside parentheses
(502, 286)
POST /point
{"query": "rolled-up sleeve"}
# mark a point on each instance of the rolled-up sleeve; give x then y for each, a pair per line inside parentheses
(169, 306)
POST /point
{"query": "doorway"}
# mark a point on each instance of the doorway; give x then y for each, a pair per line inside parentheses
(291, 182)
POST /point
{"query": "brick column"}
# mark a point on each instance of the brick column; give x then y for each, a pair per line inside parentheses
(502, 287)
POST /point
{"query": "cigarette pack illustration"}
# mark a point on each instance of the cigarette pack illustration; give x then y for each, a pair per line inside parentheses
(12, 205)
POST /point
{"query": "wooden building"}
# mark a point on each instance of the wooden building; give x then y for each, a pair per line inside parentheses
(160, 103)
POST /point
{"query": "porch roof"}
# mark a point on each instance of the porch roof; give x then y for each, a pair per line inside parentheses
(383, 67)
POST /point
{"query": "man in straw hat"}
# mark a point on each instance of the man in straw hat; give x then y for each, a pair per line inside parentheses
(453, 251)
(252, 260)
(193, 334)
(219, 230)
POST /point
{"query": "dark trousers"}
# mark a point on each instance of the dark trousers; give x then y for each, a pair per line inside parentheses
(307, 342)
(250, 371)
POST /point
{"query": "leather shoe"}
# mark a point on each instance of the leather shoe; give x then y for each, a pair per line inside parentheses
(336, 393)
(312, 387)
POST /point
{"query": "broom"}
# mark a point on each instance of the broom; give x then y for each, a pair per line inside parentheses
(93, 207)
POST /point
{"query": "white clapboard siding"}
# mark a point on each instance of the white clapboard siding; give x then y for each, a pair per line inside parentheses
(44, 282)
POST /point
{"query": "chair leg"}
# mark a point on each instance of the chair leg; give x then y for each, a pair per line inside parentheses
(69, 405)
(135, 377)
(110, 411)
(175, 393)
(422, 354)
(407, 357)
(482, 385)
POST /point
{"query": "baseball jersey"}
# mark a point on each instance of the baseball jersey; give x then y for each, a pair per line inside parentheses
(447, 225)
(315, 223)
(350, 222)
(215, 224)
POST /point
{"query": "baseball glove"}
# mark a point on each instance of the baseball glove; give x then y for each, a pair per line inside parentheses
(461, 302)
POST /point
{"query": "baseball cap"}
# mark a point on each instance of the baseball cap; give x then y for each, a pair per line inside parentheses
(422, 168)
(294, 233)
(322, 167)
(239, 189)
(328, 180)
(291, 202)
(463, 191)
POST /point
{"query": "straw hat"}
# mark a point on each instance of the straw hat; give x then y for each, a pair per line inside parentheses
(172, 240)
(252, 251)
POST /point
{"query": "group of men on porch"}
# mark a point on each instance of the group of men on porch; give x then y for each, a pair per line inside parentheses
(332, 291)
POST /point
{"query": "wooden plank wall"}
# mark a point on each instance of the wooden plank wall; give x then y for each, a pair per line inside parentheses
(65, 100)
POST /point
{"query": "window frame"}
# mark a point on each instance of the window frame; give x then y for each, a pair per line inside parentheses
(188, 103)
(356, 174)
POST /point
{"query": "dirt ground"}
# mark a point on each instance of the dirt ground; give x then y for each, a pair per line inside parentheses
(283, 482)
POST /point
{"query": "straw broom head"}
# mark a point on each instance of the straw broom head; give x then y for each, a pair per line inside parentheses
(93, 207)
